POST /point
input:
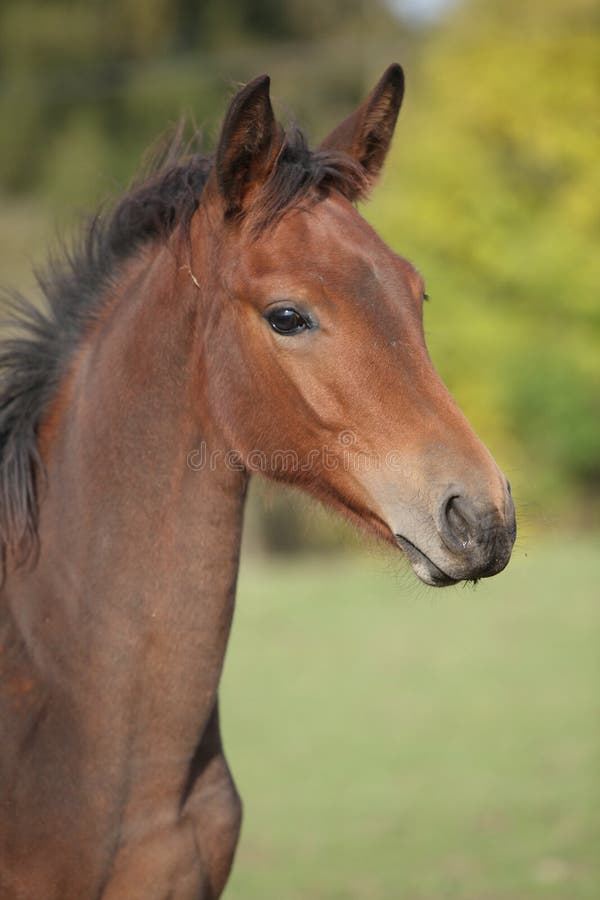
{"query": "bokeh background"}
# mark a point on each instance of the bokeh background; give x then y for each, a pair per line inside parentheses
(389, 741)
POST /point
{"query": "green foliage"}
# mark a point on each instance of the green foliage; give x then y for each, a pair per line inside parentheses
(493, 190)
(556, 412)
(126, 68)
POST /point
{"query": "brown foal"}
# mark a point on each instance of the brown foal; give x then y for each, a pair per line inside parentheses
(232, 313)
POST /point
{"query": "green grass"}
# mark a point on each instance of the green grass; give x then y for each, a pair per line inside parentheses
(392, 741)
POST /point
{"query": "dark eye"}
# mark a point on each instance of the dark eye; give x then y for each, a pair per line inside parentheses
(425, 296)
(286, 320)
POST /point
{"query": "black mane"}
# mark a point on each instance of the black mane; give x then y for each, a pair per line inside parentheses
(33, 362)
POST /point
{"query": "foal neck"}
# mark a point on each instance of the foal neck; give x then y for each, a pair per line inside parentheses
(138, 549)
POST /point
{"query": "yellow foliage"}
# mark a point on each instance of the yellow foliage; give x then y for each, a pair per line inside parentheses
(492, 190)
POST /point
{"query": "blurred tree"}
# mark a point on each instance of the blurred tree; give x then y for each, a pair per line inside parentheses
(494, 192)
(112, 73)
(556, 411)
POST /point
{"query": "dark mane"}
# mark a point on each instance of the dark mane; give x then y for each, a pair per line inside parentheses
(34, 360)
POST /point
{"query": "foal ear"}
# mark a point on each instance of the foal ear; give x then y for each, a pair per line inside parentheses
(367, 133)
(248, 143)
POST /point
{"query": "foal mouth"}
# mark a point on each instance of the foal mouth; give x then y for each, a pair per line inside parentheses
(422, 566)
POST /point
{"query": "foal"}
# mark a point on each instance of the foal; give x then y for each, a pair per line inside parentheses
(240, 304)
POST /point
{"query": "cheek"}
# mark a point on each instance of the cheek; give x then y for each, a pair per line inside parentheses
(250, 390)
(321, 387)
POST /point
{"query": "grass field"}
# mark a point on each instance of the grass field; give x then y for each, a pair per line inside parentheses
(396, 742)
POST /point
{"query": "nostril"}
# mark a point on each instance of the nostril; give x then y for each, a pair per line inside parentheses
(457, 522)
(475, 531)
(456, 528)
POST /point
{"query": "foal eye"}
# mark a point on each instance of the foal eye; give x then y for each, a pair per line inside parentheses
(287, 320)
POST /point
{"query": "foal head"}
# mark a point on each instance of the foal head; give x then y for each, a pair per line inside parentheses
(317, 370)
